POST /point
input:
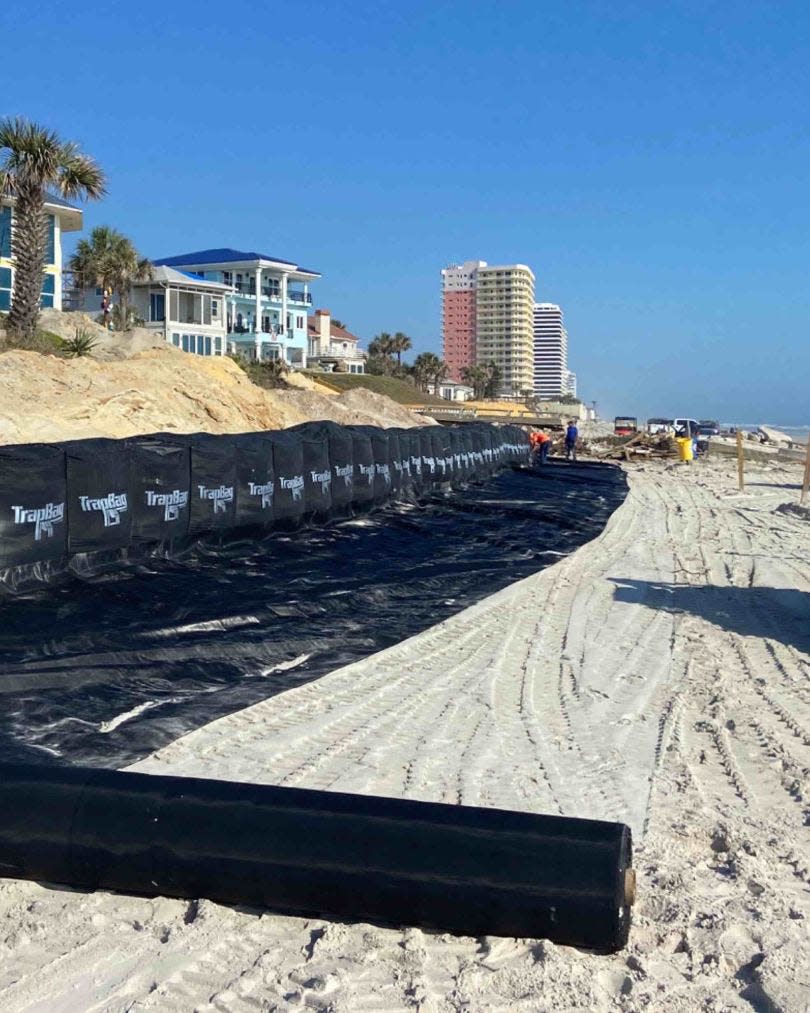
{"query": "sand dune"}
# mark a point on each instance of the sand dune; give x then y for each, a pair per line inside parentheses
(659, 675)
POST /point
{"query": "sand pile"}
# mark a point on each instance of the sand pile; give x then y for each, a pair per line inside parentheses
(110, 346)
(45, 398)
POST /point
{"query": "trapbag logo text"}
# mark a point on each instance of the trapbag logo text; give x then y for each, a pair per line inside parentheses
(43, 518)
(264, 490)
(345, 473)
(172, 502)
(220, 497)
(295, 485)
(111, 507)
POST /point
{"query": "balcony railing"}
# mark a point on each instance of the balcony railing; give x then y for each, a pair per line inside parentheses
(272, 293)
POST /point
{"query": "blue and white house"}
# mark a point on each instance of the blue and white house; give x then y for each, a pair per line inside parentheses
(62, 217)
(266, 300)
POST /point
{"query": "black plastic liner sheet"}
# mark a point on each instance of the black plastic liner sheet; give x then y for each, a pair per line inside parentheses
(393, 861)
(103, 671)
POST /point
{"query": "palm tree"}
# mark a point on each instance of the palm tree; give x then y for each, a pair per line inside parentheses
(35, 160)
(381, 347)
(427, 368)
(400, 343)
(110, 261)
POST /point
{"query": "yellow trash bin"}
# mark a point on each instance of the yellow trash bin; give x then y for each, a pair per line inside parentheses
(685, 452)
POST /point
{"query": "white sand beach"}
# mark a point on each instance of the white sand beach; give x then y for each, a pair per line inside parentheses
(659, 675)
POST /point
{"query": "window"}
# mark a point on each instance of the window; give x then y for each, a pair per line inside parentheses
(50, 249)
(5, 231)
(157, 306)
(299, 323)
(176, 340)
(207, 345)
(217, 346)
(185, 342)
(48, 289)
(5, 288)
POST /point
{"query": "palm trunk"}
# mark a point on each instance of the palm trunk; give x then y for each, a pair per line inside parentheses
(28, 247)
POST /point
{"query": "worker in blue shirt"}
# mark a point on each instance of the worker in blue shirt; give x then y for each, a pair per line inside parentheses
(571, 436)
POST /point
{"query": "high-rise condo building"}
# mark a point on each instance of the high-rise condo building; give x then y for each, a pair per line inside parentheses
(504, 303)
(552, 378)
(458, 316)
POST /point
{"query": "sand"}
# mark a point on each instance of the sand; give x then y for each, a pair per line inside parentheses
(659, 675)
(44, 398)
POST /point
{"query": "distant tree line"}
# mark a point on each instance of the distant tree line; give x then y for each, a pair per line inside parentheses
(428, 370)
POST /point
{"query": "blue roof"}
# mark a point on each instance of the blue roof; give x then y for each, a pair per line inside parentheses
(220, 256)
(53, 199)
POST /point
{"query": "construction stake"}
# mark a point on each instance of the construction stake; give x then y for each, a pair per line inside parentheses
(806, 481)
(740, 460)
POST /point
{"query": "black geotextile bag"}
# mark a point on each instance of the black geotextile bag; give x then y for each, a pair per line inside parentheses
(394, 463)
(363, 456)
(400, 451)
(99, 495)
(410, 441)
(428, 460)
(160, 476)
(442, 451)
(288, 456)
(476, 452)
(487, 432)
(382, 463)
(33, 504)
(255, 481)
(457, 450)
(317, 469)
(341, 457)
(213, 483)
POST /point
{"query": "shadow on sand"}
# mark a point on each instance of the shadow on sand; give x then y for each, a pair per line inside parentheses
(778, 613)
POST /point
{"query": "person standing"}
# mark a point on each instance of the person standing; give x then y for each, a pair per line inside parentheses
(543, 446)
(571, 437)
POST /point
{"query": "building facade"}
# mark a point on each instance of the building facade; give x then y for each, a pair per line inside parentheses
(331, 347)
(551, 373)
(504, 309)
(459, 316)
(62, 217)
(266, 301)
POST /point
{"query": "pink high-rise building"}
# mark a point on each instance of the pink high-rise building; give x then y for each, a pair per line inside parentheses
(458, 316)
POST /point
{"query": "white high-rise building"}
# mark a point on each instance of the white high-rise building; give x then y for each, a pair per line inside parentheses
(572, 383)
(552, 378)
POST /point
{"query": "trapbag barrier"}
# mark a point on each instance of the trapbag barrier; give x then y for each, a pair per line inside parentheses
(87, 503)
(452, 868)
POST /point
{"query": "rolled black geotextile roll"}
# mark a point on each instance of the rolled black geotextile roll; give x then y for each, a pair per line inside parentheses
(452, 868)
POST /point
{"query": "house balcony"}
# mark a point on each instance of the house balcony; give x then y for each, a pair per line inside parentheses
(247, 290)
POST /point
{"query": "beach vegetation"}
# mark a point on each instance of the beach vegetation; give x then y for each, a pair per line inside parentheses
(82, 343)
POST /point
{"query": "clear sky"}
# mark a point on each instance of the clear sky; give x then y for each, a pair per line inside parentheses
(648, 160)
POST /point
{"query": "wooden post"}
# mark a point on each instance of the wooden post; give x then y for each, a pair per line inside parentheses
(740, 460)
(806, 481)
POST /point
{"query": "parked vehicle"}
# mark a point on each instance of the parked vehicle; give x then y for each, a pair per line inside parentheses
(656, 426)
(686, 427)
(625, 425)
(708, 427)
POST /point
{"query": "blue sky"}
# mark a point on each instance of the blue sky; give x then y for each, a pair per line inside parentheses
(649, 161)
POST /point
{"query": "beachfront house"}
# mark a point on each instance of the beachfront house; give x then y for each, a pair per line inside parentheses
(62, 217)
(188, 311)
(266, 300)
(451, 391)
(331, 347)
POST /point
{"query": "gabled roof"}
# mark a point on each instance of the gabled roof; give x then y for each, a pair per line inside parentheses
(225, 255)
(340, 333)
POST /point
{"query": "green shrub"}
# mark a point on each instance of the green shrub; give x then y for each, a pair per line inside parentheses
(82, 343)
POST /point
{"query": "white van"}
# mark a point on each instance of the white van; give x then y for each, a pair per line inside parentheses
(685, 427)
